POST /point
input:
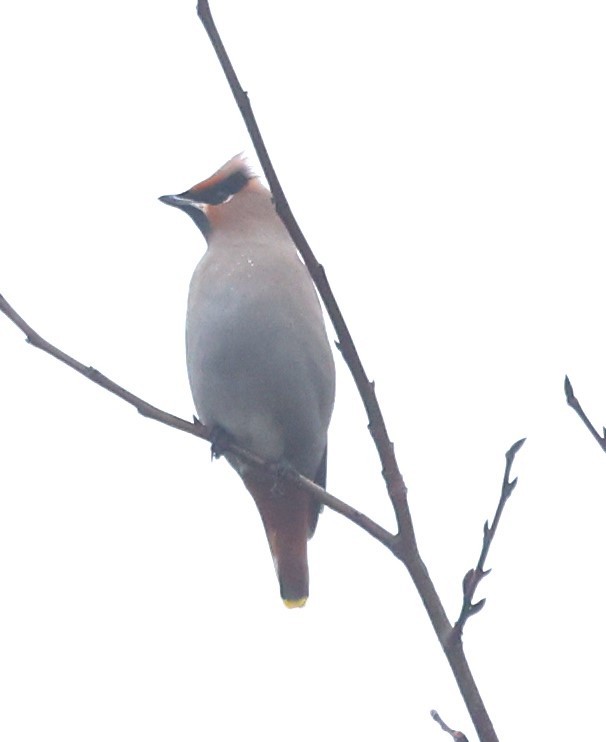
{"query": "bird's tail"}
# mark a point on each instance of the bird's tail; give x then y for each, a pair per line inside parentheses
(287, 516)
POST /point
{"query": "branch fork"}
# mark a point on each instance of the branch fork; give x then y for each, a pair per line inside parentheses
(402, 544)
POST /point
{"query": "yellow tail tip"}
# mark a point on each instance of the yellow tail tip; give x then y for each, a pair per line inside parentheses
(298, 603)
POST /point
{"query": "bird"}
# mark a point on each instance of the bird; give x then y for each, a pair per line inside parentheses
(259, 361)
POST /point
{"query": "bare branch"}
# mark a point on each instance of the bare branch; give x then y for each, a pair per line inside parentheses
(455, 735)
(196, 428)
(404, 546)
(397, 544)
(475, 575)
(576, 406)
(144, 408)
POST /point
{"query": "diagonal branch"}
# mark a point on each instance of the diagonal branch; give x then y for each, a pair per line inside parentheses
(475, 575)
(393, 478)
(404, 546)
(576, 406)
(196, 428)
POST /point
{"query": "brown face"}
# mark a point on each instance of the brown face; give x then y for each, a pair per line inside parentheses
(202, 202)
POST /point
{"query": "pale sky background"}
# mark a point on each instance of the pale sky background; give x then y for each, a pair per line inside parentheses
(447, 162)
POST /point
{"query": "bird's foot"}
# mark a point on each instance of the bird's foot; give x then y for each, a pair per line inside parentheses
(219, 442)
(282, 471)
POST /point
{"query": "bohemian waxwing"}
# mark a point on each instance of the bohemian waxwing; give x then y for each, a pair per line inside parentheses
(260, 365)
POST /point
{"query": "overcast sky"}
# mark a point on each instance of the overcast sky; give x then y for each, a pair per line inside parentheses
(446, 161)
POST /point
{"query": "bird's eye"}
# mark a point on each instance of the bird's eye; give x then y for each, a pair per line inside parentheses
(219, 195)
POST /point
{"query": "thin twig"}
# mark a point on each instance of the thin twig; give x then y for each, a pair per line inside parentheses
(475, 575)
(196, 428)
(576, 406)
(144, 408)
(455, 735)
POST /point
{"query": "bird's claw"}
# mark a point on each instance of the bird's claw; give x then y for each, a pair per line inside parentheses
(282, 471)
(219, 442)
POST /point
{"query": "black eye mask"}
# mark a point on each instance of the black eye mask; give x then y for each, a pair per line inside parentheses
(219, 192)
